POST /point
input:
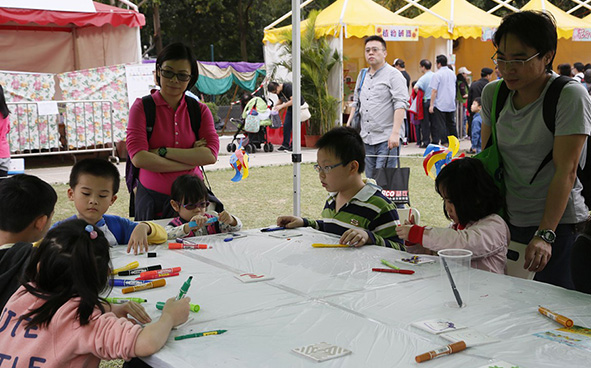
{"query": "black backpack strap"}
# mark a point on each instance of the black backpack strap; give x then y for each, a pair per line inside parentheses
(194, 114)
(150, 112)
(549, 114)
(499, 100)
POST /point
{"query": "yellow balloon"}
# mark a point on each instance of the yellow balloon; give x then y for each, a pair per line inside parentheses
(454, 145)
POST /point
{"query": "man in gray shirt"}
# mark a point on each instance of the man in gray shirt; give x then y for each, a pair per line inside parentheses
(443, 101)
(383, 100)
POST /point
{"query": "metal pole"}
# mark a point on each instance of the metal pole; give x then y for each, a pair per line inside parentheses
(296, 156)
(213, 96)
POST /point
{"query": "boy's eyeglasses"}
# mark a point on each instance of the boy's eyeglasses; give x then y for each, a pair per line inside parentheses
(508, 63)
(183, 77)
(326, 169)
(192, 206)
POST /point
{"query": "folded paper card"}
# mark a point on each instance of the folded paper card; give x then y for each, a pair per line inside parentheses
(437, 326)
(251, 277)
(322, 351)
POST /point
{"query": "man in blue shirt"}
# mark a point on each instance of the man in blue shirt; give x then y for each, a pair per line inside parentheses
(423, 84)
(443, 101)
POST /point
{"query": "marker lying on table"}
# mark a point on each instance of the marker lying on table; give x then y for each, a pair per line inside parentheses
(137, 271)
(390, 270)
(125, 300)
(160, 272)
(445, 350)
(276, 228)
(130, 266)
(192, 307)
(320, 245)
(565, 321)
(199, 334)
(152, 276)
(147, 285)
(121, 282)
(386, 263)
(188, 246)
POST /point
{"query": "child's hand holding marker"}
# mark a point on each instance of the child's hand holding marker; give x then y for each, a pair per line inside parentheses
(196, 223)
(226, 218)
(177, 310)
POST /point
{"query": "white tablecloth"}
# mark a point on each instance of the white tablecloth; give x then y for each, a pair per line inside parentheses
(331, 295)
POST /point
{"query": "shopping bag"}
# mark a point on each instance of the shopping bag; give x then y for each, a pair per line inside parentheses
(394, 183)
(275, 120)
(414, 107)
(305, 112)
(253, 122)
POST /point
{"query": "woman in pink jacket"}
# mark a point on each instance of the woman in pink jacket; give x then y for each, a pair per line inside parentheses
(4, 130)
(471, 201)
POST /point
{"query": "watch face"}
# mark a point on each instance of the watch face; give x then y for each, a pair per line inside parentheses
(162, 151)
(547, 235)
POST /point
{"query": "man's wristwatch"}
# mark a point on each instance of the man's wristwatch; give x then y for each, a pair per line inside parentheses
(549, 236)
(162, 151)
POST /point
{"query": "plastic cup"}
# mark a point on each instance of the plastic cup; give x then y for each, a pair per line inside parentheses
(455, 276)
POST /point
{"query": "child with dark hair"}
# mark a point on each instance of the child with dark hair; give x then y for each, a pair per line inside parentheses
(57, 317)
(470, 200)
(355, 210)
(580, 258)
(94, 184)
(189, 198)
(26, 209)
(476, 126)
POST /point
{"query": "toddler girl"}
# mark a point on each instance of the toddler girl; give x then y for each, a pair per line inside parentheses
(57, 319)
(189, 199)
(471, 201)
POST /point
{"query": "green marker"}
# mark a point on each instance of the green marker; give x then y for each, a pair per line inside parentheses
(125, 300)
(193, 307)
(199, 334)
(184, 288)
(386, 263)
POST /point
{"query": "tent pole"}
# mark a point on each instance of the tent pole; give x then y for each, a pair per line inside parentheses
(341, 76)
(137, 31)
(296, 156)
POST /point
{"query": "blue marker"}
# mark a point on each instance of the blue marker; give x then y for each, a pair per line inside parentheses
(229, 239)
(211, 220)
(121, 282)
(276, 228)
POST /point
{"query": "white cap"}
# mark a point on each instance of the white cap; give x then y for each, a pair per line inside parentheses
(464, 70)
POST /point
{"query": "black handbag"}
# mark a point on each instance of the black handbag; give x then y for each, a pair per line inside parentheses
(356, 119)
(394, 183)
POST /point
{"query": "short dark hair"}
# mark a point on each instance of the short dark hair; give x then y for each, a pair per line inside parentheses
(486, 71)
(587, 66)
(3, 107)
(470, 188)
(375, 38)
(272, 87)
(346, 144)
(564, 69)
(579, 66)
(23, 199)
(587, 76)
(425, 64)
(400, 63)
(441, 60)
(95, 167)
(535, 29)
(478, 100)
(188, 188)
(67, 264)
(178, 51)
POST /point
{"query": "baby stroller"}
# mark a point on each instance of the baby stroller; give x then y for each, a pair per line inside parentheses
(253, 140)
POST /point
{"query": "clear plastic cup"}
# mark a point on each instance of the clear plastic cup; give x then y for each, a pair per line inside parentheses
(455, 276)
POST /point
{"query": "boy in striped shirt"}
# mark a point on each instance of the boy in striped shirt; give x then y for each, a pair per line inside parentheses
(356, 210)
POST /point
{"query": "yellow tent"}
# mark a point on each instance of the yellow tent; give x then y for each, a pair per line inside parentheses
(466, 20)
(565, 23)
(357, 18)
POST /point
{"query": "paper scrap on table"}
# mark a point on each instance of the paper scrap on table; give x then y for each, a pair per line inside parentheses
(470, 337)
(251, 277)
(416, 260)
(322, 351)
(577, 337)
(500, 364)
(437, 326)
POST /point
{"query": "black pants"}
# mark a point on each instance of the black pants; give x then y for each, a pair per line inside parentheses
(426, 125)
(445, 124)
(151, 205)
(287, 127)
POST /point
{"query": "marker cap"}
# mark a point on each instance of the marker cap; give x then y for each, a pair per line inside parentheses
(152, 254)
(175, 246)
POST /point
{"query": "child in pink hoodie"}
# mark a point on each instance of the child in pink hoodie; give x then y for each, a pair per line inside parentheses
(471, 201)
(57, 319)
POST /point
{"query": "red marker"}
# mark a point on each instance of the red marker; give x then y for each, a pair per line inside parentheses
(157, 276)
(161, 272)
(187, 246)
(389, 270)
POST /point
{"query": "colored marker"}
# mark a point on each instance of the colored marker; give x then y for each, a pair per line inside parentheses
(389, 270)
(276, 228)
(184, 288)
(229, 239)
(452, 283)
(162, 271)
(192, 307)
(565, 321)
(130, 266)
(320, 245)
(137, 271)
(199, 334)
(192, 224)
(445, 350)
(386, 263)
(125, 300)
(148, 285)
(121, 282)
(211, 220)
(157, 275)
(187, 246)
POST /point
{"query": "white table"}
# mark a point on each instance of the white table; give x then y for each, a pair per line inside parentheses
(331, 295)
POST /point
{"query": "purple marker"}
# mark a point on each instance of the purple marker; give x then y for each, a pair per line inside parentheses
(121, 282)
(267, 229)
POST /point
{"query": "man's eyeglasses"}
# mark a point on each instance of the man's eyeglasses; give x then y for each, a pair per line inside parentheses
(183, 77)
(326, 169)
(192, 206)
(508, 63)
(373, 49)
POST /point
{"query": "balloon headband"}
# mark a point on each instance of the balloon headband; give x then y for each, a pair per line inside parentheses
(436, 156)
(91, 231)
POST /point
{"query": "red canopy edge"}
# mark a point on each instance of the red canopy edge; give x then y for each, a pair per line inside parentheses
(105, 14)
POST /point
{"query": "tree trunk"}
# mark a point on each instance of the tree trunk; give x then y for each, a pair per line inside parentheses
(242, 29)
(157, 31)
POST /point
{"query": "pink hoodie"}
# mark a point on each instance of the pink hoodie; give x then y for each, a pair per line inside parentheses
(64, 343)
